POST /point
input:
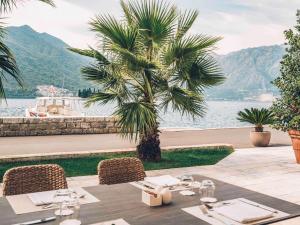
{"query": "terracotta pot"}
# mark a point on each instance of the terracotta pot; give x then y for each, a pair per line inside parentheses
(295, 136)
(260, 139)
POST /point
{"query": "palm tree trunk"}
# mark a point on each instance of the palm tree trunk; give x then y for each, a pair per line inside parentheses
(259, 128)
(149, 146)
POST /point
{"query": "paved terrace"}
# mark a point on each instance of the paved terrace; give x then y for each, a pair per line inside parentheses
(271, 171)
(238, 137)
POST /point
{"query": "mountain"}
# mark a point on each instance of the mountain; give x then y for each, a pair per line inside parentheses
(43, 60)
(249, 72)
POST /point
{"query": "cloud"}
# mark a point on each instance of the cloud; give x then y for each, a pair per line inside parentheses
(241, 23)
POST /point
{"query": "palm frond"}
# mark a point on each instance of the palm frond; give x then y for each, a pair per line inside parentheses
(185, 22)
(127, 12)
(8, 64)
(134, 61)
(184, 101)
(135, 117)
(109, 96)
(114, 32)
(92, 53)
(95, 73)
(203, 73)
(156, 20)
(9, 5)
(188, 48)
(256, 116)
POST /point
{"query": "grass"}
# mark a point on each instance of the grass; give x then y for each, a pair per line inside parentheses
(170, 159)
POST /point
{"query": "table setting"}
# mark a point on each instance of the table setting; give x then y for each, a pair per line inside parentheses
(163, 200)
(230, 212)
(41, 201)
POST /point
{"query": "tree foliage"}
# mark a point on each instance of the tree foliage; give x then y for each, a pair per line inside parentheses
(287, 107)
(149, 61)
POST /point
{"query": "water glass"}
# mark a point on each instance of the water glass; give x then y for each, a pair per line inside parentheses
(71, 213)
(207, 192)
(187, 178)
(69, 207)
(60, 197)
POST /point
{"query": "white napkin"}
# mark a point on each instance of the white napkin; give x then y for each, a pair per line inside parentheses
(243, 212)
(43, 198)
(165, 180)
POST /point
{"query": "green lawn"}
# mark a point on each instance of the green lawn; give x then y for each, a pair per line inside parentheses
(170, 159)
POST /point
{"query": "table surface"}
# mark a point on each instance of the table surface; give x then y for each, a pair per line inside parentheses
(124, 201)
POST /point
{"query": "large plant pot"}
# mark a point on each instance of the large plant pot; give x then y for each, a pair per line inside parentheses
(260, 139)
(295, 136)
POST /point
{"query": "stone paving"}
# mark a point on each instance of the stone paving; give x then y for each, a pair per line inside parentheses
(270, 171)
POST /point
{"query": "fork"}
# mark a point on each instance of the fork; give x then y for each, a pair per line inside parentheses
(205, 211)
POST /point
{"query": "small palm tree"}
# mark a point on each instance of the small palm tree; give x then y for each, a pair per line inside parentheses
(149, 61)
(258, 117)
(8, 65)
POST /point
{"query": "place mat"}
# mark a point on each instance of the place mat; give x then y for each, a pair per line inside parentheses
(214, 220)
(115, 222)
(22, 204)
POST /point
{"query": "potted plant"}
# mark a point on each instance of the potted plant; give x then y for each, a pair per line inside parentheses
(286, 108)
(258, 117)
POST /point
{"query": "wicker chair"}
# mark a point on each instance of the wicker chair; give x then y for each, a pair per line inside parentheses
(120, 170)
(28, 179)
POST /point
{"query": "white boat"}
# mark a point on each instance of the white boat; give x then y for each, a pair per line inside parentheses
(55, 107)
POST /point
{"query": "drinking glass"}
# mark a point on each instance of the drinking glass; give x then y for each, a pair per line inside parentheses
(71, 214)
(186, 180)
(60, 197)
(69, 207)
(207, 192)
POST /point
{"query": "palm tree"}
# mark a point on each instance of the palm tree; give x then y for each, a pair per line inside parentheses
(258, 117)
(149, 62)
(8, 65)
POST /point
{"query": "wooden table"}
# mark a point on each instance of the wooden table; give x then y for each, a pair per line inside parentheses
(124, 201)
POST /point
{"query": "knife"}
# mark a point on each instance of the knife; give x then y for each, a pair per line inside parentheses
(43, 220)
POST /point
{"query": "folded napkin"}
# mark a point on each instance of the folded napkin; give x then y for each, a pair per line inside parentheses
(165, 180)
(243, 212)
(44, 198)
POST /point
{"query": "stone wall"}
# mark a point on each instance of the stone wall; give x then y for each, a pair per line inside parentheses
(17, 126)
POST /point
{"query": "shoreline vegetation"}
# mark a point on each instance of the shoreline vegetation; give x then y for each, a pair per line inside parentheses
(83, 166)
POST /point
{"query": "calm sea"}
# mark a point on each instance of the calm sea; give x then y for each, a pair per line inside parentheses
(219, 114)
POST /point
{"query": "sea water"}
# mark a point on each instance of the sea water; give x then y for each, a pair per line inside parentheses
(219, 114)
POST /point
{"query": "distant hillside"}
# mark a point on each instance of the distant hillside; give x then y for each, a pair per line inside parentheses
(44, 60)
(249, 72)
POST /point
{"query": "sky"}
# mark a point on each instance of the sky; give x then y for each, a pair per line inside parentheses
(241, 23)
